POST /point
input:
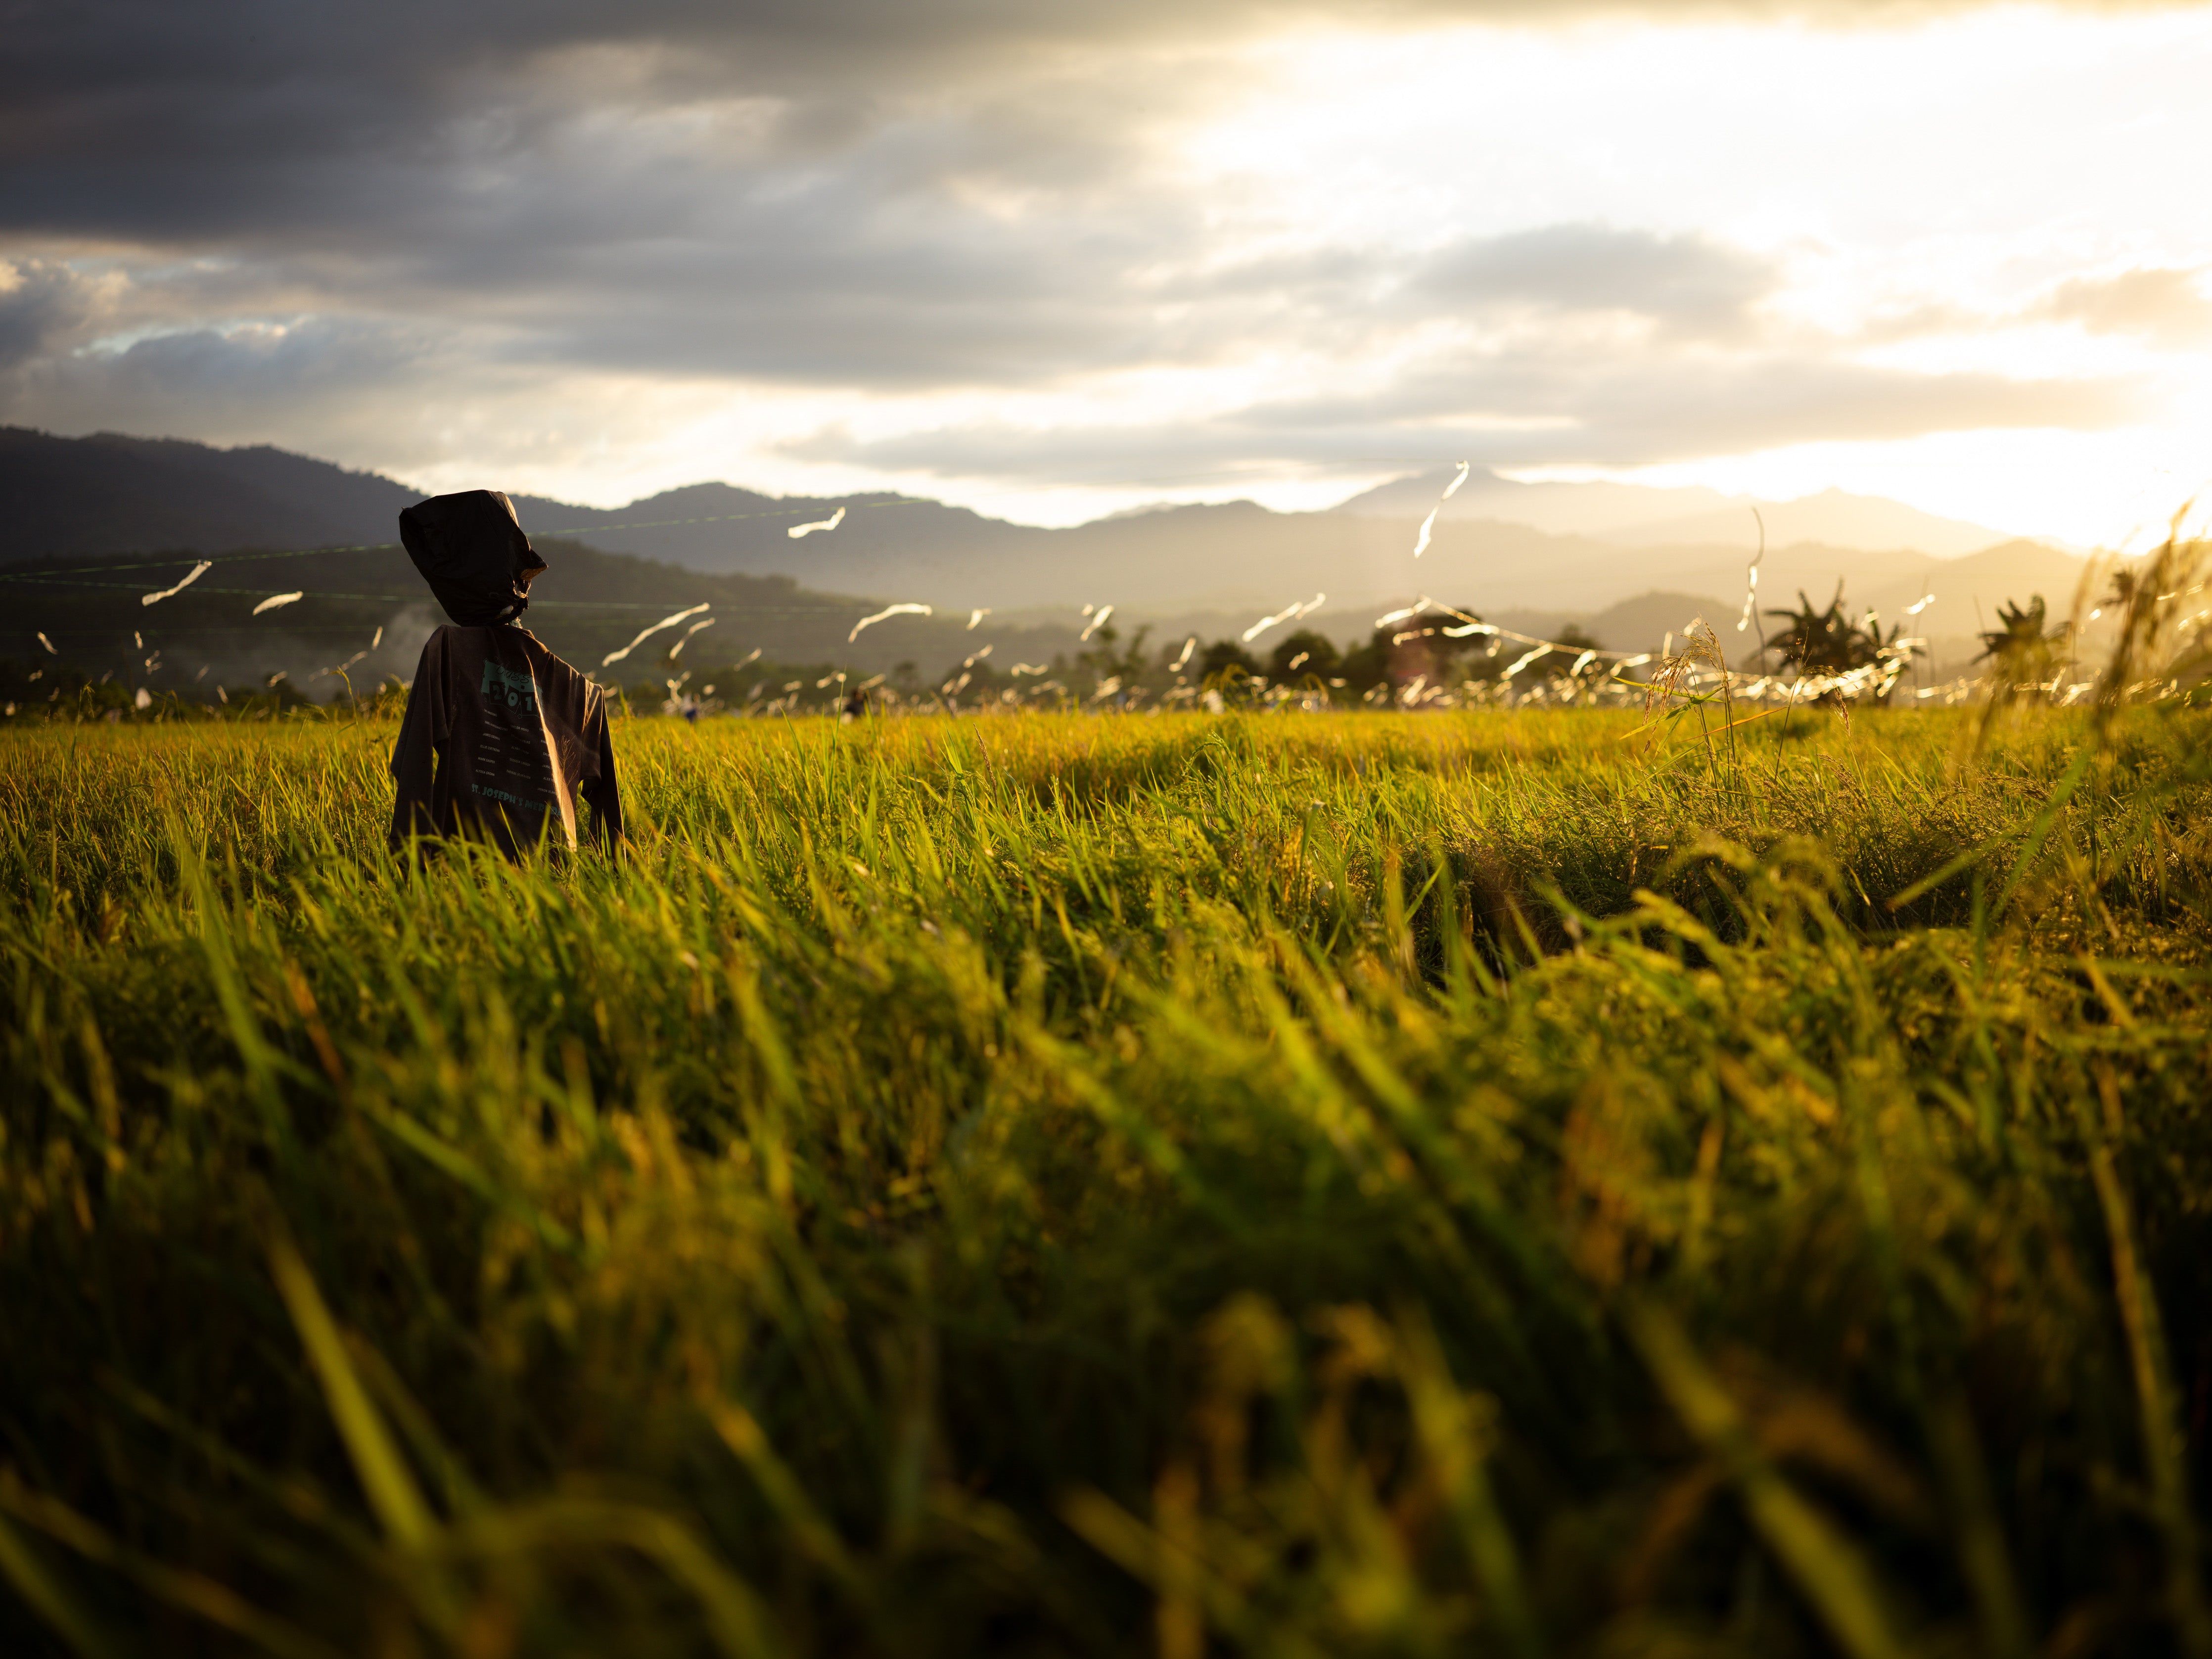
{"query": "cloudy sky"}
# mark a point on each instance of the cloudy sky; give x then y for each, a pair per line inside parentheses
(1052, 260)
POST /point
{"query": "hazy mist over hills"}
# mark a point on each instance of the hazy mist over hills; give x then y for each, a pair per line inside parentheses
(1601, 554)
(1634, 515)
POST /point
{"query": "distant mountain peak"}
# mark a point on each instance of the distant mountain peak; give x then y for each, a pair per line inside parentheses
(1500, 545)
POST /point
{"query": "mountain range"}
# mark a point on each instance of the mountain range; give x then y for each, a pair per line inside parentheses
(1545, 550)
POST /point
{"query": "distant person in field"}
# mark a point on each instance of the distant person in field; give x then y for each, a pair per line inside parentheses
(502, 742)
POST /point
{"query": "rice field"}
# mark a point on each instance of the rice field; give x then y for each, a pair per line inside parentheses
(1522, 1183)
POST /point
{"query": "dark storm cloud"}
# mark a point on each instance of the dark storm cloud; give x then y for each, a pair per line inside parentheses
(149, 120)
(180, 381)
(256, 362)
(541, 173)
(41, 303)
(146, 120)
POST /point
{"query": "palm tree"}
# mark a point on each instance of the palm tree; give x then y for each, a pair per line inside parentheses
(1827, 642)
(2020, 654)
(1819, 642)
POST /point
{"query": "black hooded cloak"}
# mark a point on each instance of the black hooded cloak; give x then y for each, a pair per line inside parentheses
(471, 551)
(503, 740)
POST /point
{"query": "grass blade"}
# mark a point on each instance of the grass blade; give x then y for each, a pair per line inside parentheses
(385, 1477)
(1832, 1575)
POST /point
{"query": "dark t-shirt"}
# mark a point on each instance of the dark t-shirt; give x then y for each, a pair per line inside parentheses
(518, 739)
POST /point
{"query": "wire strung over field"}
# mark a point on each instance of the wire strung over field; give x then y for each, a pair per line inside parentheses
(1830, 659)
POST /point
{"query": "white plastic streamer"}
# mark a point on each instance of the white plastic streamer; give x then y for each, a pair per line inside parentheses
(198, 571)
(1750, 575)
(1474, 626)
(1429, 524)
(885, 615)
(275, 599)
(676, 649)
(829, 523)
(1281, 616)
(614, 657)
(1412, 610)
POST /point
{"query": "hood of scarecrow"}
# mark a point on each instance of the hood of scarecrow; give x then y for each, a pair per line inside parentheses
(471, 551)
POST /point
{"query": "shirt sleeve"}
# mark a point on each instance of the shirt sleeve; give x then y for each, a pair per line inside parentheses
(603, 792)
(423, 733)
